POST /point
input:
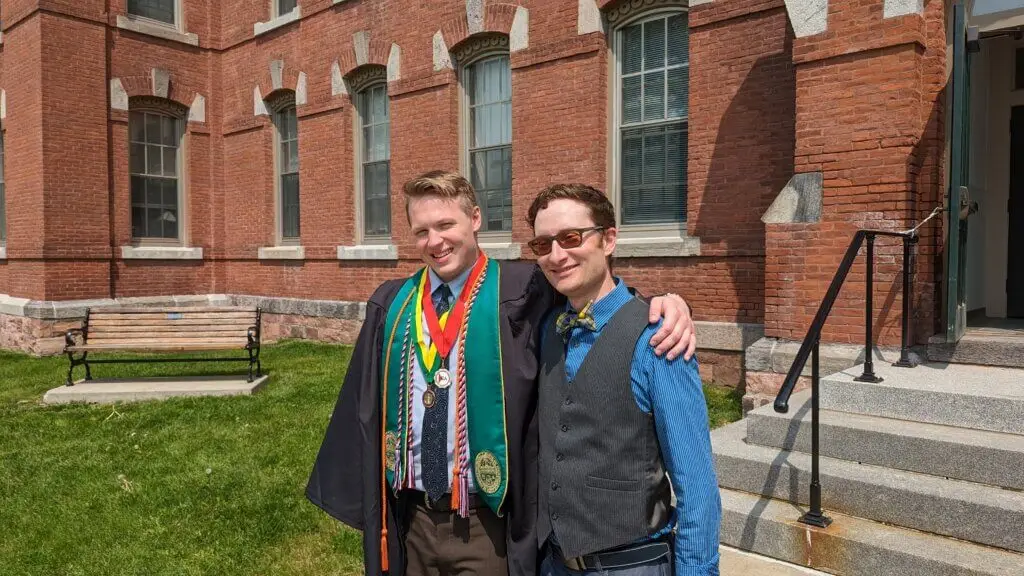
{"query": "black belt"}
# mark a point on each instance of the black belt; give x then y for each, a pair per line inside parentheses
(618, 557)
(442, 504)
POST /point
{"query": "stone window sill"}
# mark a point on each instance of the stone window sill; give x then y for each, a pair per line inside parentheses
(368, 252)
(657, 247)
(502, 250)
(282, 253)
(274, 23)
(152, 28)
(160, 253)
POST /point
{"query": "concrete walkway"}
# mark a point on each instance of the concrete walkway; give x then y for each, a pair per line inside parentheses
(108, 391)
(736, 562)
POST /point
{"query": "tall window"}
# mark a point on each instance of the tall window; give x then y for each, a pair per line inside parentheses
(161, 10)
(488, 84)
(283, 7)
(3, 197)
(154, 141)
(653, 108)
(287, 129)
(376, 161)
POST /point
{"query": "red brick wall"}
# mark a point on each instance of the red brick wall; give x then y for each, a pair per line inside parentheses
(755, 117)
(862, 119)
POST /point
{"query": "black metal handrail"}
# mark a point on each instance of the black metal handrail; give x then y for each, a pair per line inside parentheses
(812, 341)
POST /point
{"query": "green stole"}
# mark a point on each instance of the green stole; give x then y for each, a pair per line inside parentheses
(480, 349)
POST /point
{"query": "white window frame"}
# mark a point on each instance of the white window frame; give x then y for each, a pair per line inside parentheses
(178, 24)
(279, 104)
(360, 159)
(182, 176)
(499, 237)
(638, 231)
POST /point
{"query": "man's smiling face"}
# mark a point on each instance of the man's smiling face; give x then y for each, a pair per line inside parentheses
(445, 234)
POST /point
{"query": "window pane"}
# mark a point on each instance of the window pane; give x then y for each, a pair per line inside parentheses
(153, 163)
(290, 205)
(678, 40)
(654, 44)
(654, 95)
(632, 158)
(169, 131)
(137, 159)
(154, 223)
(170, 196)
(162, 10)
(380, 142)
(377, 208)
(152, 128)
(285, 6)
(631, 99)
(380, 102)
(679, 92)
(632, 50)
(3, 214)
(170, 223)
(293, 156)
(137, 127)
(138, 222)
(654, 174)
(154, 192)
(170, 162)
(138, 190)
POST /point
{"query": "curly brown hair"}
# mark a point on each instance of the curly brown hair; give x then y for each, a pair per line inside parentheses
(601, 209)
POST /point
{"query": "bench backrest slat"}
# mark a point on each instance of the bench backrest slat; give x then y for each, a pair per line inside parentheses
(177, 325)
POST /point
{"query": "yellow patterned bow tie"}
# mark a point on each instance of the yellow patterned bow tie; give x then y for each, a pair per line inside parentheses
(568, 320)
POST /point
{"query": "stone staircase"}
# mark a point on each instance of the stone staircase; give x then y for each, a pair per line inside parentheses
(922, 474)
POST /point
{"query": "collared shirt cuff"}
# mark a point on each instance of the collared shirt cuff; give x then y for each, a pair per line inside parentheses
(709, 569)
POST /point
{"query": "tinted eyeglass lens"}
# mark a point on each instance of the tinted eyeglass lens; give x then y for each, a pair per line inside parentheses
(540, 246)
(570, 239)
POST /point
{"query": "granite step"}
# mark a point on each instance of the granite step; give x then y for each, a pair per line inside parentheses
(853, 546)
(965, 396)
(965, 510)
(993, 346)
(981, 456)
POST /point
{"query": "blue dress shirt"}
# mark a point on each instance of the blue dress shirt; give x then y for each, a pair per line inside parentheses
(672, 390)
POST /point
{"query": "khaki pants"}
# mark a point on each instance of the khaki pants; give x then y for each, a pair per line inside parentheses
(440, 543)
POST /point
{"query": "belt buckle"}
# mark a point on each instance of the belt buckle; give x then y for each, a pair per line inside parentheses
(575, 563)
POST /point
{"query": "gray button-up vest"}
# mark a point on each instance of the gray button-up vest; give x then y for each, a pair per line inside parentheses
(602, 480)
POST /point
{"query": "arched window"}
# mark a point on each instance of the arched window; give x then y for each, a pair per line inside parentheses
(286, 145)
(155, 137)
(486, 77)
(375, 160)
(652, 90)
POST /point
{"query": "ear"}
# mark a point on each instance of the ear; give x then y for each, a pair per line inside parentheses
(610, 236)
(476, 218)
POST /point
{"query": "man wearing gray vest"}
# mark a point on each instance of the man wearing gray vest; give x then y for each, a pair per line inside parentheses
(617, 423)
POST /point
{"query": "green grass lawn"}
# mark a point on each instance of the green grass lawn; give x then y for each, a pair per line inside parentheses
(184, 486)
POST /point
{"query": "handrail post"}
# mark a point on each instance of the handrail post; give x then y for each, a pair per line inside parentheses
(869, 363)
(814, 516)
(908, 261)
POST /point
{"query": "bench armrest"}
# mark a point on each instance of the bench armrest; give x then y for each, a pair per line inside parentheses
(69, 337)
(253, 334)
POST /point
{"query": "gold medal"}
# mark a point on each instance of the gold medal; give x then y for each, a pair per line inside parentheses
(442, 378)
(429, 398)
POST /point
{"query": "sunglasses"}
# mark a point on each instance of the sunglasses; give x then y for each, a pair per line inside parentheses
(571, 238)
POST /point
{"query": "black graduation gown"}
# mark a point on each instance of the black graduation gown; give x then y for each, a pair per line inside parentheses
(346, 477)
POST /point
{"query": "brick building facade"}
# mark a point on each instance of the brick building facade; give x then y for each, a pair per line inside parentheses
(123, 123)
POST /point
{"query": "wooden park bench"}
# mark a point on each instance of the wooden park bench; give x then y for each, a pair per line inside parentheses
(164, 330)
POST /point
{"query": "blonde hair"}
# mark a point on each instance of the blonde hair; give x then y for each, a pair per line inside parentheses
(443, 184)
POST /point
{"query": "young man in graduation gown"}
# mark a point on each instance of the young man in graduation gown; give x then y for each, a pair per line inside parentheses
(432, 447)
(620, 428)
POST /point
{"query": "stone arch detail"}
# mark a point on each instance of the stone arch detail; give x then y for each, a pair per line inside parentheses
(280, 78)
(157, 84)
(365, 52)
(510, 20)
